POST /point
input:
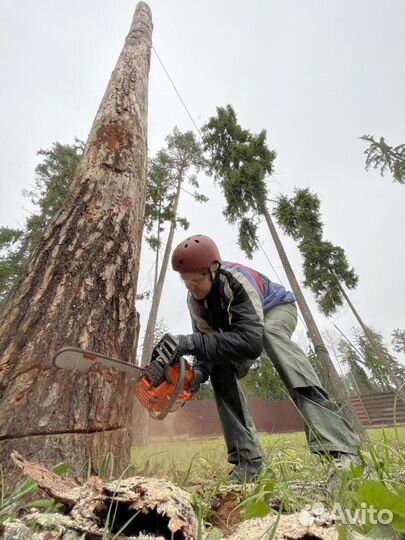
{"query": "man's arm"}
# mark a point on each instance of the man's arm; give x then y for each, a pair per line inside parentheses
(244, 339)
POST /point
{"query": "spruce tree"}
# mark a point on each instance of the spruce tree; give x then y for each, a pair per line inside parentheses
(53, 176)
(382, 156)
(172, 167)
(240, 161)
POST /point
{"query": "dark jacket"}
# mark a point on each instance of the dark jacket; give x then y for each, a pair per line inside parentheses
(230, 318)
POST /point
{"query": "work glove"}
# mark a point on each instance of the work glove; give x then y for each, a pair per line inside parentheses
(192, 344)
(199, 377)
(182, 344)
(155, 371)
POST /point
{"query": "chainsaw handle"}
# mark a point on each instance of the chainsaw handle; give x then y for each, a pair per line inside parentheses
(179, 386)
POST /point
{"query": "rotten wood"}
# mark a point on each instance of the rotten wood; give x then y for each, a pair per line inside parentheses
(146, 505)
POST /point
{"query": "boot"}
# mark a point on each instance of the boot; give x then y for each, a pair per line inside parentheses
(245, 471)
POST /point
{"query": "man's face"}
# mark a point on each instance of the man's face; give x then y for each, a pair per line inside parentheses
(198, 283)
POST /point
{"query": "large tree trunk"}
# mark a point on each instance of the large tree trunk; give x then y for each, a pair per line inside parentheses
(158, 289)
(341, 393)
(80, 289)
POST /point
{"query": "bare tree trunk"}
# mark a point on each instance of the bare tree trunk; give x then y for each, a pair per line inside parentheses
(79, 289)
(157, 292)
(399, 387)
(157, 254)
(341, 393)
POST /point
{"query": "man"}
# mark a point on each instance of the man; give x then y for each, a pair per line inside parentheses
(236, 312)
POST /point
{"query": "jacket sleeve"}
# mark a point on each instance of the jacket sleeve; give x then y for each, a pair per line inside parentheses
(244, 339)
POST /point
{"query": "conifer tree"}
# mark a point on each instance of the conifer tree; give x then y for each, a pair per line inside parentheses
(53, 176)
(382, 156)
(240, 161)
(172, 167)
(325, 265)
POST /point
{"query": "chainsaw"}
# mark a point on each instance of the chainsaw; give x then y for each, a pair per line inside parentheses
(168, 396)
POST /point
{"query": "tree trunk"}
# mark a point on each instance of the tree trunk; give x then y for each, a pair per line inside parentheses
(399, 387)
(157, 292)
(341, 393)
(79, 290)
(157, 253)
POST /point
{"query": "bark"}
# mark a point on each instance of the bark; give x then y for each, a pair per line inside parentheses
(79, 289)
(341, 393)
(399, 387)
(148, 342)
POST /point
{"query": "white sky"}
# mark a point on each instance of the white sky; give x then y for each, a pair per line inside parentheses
(316, 75)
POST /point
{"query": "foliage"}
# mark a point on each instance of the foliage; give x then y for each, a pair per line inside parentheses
(380, 372)
(52, 180)
(366, 371)
(263, 381)
(381, 156)
(358, 380)
(325, 265)
(205, 391)
(398, 340)
(170, 165)
(13, 500)
(239, 161)
(168, 171)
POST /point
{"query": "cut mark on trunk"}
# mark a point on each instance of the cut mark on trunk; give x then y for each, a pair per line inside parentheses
(64, 432)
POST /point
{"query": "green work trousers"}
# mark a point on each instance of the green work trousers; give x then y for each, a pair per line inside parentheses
(326, 430)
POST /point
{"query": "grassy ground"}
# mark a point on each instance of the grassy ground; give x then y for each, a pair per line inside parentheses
(189, 461)
(293, 479)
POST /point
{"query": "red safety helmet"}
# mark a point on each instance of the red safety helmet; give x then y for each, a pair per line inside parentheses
(194, 253)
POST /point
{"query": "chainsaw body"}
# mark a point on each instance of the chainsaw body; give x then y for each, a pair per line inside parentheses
(171, 394)
(168, 396)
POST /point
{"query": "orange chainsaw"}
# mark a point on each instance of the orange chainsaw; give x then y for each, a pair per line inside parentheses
(167, 396)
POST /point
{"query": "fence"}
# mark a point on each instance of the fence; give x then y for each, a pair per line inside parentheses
(200, 418)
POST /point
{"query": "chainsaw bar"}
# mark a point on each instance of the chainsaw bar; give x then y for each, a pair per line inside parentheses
(82, 360)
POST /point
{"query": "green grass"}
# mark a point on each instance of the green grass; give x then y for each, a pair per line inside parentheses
(292, 479)
(208, 455)
(293, 475)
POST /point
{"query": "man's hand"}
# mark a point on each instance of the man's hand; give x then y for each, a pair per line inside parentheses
(180, 345)
(199, 376)
(155, 372)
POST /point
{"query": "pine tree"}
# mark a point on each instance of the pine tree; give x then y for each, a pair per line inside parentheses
(53, 177)
(240, 161)
(169, 170)
(398, 340)
(324, 264)
(359, 379)
(384, 374)
(382, 156)
(326, 268)
(263, 381)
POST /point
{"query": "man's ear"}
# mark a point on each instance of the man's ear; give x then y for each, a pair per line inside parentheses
(214, 267)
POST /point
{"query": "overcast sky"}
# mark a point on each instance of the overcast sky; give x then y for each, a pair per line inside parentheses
(316, 74)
